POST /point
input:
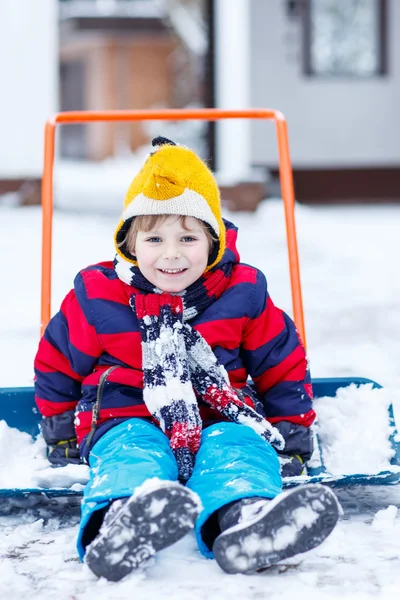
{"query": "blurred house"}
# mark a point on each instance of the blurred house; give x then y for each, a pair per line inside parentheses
(29, 91)
(87, 55)
(126, 54)
(331, 66)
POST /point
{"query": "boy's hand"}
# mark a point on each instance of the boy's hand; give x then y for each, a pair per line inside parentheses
(292, 466)
(64, 452)
(59, 434)
(299, 440)
(299, 445)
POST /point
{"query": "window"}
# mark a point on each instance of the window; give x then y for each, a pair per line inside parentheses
(345, 38)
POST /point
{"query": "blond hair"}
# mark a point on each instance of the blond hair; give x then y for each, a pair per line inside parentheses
(148, 222)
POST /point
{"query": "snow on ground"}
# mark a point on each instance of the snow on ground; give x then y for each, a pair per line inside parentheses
(351, 289)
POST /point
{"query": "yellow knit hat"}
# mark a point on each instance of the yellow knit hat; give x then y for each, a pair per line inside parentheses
(173, 181)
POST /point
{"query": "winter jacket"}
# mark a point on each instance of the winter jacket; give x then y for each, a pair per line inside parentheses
(96, 328)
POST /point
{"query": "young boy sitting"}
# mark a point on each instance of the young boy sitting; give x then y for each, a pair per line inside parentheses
(144, 375)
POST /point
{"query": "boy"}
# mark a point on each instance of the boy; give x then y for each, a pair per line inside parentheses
(152, 356)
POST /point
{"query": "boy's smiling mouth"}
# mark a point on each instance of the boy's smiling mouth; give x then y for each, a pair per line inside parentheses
(172, 271)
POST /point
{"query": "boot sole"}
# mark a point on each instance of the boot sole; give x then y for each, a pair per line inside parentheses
(291, 524)
(145, 524)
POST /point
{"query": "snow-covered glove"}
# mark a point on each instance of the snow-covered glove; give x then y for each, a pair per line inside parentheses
(291, 466)
(59, 434)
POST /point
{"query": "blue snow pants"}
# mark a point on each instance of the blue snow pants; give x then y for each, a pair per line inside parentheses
(233, 462)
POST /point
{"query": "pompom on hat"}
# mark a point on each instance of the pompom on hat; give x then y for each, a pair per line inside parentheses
(173, 181)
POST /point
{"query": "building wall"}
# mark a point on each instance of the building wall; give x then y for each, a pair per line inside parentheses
(119, 73)
(333, 123)
(29, 80)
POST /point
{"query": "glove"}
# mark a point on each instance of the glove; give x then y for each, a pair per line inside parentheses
(291, 466)
(64, 452)
(59, 434)
(298, 448)
(299, 440)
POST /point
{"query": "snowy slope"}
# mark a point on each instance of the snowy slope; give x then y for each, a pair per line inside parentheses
(351, 288)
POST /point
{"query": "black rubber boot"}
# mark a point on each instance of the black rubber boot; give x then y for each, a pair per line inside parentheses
(271, 531)
(134, 529)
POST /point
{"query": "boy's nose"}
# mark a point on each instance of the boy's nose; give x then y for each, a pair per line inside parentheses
(172, 253)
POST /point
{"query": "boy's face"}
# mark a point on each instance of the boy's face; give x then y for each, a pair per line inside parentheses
(171, 257)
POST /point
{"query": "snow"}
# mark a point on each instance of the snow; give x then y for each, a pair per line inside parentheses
(385, 519)
(23, 463)
(351, 290)
(304, 516)
(20, 457)
(365, 446)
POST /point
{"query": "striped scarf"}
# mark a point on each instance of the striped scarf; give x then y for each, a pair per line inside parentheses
(179, 366)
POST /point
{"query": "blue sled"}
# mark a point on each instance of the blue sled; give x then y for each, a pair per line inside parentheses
(17, 409)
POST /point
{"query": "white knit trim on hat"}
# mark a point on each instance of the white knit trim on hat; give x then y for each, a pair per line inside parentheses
(190, 204)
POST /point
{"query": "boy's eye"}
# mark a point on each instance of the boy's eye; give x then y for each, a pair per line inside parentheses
(153, 239)
(189, 238)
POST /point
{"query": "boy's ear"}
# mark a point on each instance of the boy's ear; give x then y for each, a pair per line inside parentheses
(131, 251)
